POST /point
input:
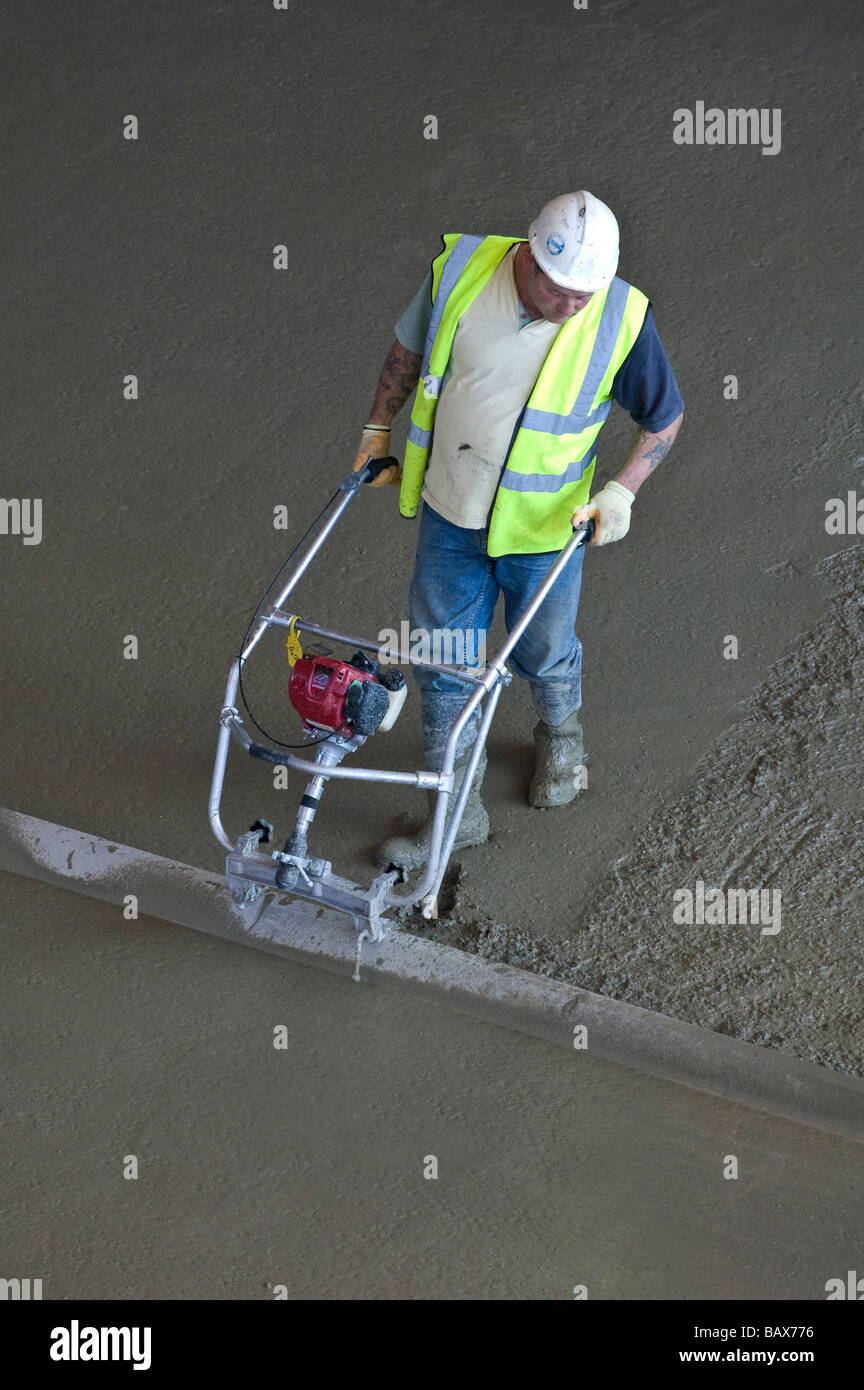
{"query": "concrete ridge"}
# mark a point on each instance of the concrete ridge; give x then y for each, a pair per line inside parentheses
(648, 1042)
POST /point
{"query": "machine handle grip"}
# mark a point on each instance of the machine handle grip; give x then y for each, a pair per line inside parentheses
(268, 754)
(588, 527)
(373, 467)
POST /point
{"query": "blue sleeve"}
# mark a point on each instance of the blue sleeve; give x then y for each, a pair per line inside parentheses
(645, 385)
(413, 326)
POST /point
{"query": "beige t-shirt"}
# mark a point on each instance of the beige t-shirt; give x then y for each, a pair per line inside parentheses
(496, 358)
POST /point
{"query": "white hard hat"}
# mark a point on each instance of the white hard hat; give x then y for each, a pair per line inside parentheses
(574, 240)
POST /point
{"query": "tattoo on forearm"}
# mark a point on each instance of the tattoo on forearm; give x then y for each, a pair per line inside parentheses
(658, 450)
(399, 376)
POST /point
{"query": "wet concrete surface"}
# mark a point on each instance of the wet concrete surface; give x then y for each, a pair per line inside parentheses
(740, 904)
(304, 1166)
(154, 257)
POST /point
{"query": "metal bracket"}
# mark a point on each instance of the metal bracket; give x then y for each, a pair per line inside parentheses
(248, 896)
(378, 925)
(252, 875)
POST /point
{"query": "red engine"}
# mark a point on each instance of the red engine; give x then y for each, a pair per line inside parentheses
(342, 697)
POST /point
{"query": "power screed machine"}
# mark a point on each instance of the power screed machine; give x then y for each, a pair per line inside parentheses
(341, 703)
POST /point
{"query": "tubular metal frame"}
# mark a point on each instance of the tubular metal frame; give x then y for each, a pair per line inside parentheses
(250, 873)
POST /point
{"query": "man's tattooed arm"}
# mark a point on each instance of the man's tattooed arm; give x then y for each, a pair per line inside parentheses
(399, 376)
(648, 450)
(655, 448)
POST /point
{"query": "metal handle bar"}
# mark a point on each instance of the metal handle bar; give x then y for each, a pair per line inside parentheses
(231, 725)
(581, 535)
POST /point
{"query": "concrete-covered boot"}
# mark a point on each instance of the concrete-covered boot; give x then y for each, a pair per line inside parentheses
(411, 851)
(559, 776)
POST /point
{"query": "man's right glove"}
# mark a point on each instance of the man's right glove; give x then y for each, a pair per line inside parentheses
(375, 440)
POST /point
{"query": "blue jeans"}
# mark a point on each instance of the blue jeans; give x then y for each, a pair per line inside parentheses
(455, 587)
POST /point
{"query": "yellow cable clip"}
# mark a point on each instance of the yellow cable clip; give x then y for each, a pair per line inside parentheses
(292, 644)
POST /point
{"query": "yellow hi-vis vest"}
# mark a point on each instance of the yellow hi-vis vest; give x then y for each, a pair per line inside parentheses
(548, 469)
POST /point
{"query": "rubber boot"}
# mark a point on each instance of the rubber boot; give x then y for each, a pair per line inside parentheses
(560, 757)
(411, 851)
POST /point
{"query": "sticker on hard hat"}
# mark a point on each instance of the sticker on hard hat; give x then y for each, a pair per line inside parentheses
(554, 245)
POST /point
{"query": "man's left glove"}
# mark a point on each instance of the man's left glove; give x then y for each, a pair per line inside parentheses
(610, 509)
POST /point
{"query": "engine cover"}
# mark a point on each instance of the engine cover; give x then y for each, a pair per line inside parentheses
(337, 696)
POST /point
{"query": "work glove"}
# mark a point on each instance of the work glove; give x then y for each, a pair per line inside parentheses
(375, 440)
(610, 508)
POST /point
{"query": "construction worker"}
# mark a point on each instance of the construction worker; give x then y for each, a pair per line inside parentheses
(520, 345)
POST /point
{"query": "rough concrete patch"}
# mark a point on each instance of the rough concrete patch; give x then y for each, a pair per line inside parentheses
(844, 440)
(778, 802)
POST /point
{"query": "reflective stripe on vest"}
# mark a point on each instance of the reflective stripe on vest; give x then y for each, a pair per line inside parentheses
(548, 469)
(447, 269)
(581, 415)
(548, 482)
